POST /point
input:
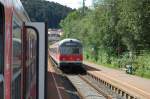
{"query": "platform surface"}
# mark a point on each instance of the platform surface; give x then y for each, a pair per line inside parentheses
(134, 82)
(58, 86)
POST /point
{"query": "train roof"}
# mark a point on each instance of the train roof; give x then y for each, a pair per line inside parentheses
(68, 40)
(62, 42)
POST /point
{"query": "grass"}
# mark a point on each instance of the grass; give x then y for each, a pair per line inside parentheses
(140, 63)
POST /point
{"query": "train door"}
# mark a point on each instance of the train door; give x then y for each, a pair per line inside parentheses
(1, 51)
(30, 59)
(41, 63)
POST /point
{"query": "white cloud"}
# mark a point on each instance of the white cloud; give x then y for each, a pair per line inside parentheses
(73, 3)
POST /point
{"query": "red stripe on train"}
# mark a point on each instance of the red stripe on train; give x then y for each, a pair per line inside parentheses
(70, 57)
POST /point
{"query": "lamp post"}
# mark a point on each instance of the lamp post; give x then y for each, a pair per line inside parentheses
(83, 7)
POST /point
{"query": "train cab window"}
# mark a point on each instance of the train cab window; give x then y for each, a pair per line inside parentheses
(70, 50)
(1, 51)
(75, 50)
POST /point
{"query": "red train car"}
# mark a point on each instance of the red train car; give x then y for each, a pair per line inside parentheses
(23, 57)
(67, 53)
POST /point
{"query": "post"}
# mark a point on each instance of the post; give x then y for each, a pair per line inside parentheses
(83, 7)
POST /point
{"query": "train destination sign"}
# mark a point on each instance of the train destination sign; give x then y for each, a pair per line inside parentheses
(71, 44)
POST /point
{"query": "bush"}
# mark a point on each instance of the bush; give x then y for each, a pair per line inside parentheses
(140, 62)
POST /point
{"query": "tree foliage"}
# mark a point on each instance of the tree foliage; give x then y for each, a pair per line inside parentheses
(40, 10)
(112, 24)
(116, 26)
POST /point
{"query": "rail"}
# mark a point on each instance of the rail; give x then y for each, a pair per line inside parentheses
(120, 89)
(96, 88)
(84, 89)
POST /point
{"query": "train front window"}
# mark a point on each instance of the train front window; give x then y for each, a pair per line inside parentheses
(70, 50)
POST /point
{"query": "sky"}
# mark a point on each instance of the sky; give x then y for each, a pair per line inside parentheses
(73, 3)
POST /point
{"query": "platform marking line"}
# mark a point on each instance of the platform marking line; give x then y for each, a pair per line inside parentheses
(59, 94)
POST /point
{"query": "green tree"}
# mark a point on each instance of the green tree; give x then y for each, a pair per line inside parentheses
(40, 10)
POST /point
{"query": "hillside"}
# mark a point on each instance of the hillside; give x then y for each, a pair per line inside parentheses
(51, 12)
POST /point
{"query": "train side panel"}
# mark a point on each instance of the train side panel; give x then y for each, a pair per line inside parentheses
(18, 58)
(54, 53)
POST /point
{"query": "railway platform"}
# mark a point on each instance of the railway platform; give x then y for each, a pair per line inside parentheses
(137, 86)
(57, 86)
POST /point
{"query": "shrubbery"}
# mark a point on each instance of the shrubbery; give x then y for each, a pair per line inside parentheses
(140, 62)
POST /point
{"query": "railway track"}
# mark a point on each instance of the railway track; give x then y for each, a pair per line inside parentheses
(84, 88)
(112, 88)
(91, 86)
(100, 87)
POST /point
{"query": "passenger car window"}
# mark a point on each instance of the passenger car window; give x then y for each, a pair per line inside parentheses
(16, 46)
(16, 59)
